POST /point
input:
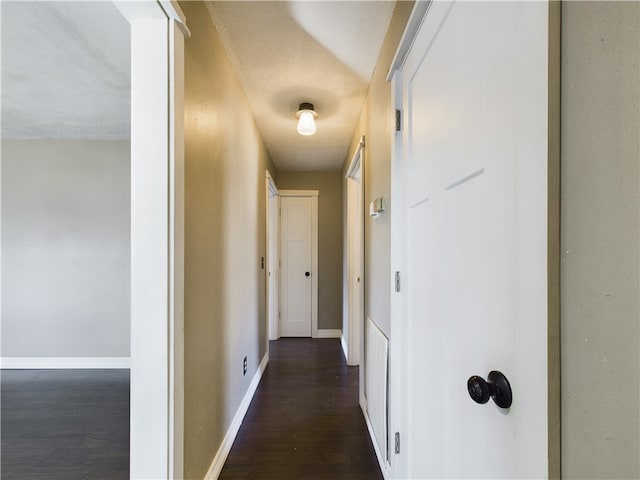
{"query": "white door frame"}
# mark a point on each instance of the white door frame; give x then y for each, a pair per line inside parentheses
(313, 194)
(157, 238)
(398, 419)
(398, 344)
(354, 291)
(273, 257)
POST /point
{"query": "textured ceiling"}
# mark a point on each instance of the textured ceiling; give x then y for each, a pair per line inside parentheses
(286, 53)
(65, 70)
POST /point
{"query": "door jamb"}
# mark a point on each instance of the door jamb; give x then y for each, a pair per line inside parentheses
(398, 346)
(355, 258)
(273, 257)
(314, 252)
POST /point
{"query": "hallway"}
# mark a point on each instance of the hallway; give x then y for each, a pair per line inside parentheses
(304, 421)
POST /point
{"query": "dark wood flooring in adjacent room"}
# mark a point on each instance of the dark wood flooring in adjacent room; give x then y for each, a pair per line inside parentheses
(64, 424)
(304, 421)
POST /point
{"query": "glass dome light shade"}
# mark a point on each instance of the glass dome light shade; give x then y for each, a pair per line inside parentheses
(306, 124)
(306, 116)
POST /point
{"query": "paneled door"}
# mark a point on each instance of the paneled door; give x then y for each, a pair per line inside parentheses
(474, 181)
(296, 240)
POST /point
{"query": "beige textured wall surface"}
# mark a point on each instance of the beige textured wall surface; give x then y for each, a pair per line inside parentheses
(65, 248)
(377, 124)
(329, 184)
(600, 240)
(225, 162)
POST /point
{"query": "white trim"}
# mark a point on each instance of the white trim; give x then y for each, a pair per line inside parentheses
(173, 11)
(355, 278)
(385, 467)
(299, 193)
(141, 10)
(272, 199)
(225, 447)
(273, 188)
(314, 265)
(398, 421)
(329, 333)
(343, 342)
(418, 15)
(176, 249)
(25, 363)
(157, 195)
(356, 159)
(150, 444)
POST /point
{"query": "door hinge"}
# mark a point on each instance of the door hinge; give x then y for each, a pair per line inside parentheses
(397, 448)
(398, 120)
(397, 281)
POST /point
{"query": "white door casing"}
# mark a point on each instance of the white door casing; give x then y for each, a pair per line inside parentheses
(298, 256)
(273, 257)
(157, 238)
(471, 177)
(354, 297)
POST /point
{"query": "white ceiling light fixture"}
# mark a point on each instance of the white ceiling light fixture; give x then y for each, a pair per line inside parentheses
(306, 116)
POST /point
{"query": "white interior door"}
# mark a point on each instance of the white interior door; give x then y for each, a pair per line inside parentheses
(474, 182)
(296, 257)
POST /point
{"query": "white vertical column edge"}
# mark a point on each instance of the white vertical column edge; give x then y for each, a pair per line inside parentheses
(149, 249)
(176, 249)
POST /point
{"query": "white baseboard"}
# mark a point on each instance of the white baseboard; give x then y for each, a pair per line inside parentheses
(225, 447)
(25, 363)
(345, 349)
(329, 333)
(385, 467)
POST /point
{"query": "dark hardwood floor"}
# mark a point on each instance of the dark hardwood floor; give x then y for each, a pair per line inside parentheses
(64, 424)
(304, 421)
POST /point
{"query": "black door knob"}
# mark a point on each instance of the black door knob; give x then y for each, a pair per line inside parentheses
(306, 274)
(496, 386)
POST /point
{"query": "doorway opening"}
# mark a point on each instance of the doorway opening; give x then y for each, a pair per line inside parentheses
(273, 257)
(354, 289)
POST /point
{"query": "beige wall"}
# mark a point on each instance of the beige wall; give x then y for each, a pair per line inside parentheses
(600, 240)
(65, 248)
(329, 184)
(225, 162)
(376, 123)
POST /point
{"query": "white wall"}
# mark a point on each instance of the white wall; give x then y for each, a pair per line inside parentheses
(65, 248)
